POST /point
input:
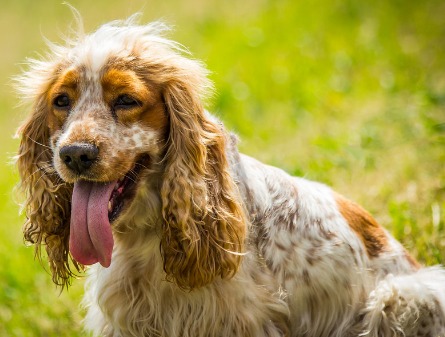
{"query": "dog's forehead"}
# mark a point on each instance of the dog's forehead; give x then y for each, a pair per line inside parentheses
(110, 44)
(93, 55)
(88, 82)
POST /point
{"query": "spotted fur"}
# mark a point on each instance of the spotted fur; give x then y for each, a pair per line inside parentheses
(213, 243)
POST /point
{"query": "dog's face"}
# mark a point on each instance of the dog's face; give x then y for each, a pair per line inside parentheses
(103, 124)
(111, 109)
(106, 126)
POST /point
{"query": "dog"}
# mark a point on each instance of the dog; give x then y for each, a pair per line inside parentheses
(123, 170)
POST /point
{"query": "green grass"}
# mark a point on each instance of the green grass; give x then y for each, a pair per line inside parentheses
(350, 93)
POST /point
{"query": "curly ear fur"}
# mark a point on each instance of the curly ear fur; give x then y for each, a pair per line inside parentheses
(205, 225)
(47, 203)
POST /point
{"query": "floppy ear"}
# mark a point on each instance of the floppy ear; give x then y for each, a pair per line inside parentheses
(47, 203)
(204, 222)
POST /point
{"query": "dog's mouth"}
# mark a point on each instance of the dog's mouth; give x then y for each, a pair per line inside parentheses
(123, 192)
(94, 206)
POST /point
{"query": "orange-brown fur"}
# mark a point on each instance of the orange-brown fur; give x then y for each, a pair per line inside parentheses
(368, 230)
(205, 234)
(47, 204)
(204, 228)
(67, 83)
(245, 254)
(151, 113)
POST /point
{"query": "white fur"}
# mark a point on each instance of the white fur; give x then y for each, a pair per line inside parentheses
(344, 296)
(305, 272)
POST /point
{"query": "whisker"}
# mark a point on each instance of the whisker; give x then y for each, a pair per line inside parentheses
(37, 142)
(43, 152)
(57, 182)
(130, 178)
(126, 174)
(41, 176)
(39, 168)
(142, 165)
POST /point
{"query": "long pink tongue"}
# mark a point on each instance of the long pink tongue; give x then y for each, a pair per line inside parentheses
(91, 239)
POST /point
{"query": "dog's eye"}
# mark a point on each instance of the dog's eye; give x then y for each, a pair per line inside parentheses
(125, 102)
(62, 102)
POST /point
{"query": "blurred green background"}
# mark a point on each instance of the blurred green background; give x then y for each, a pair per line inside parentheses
(350, 93)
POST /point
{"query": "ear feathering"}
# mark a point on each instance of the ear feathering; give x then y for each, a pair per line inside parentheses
(47, 197)
(205, 224)
(204, 221)
(47, 204)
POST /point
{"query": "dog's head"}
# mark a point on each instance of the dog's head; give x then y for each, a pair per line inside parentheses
(108, 109)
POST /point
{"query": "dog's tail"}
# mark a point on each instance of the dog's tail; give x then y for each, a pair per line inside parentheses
(407, 305)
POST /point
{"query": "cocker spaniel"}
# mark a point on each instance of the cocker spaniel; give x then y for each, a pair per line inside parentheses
(125, 171)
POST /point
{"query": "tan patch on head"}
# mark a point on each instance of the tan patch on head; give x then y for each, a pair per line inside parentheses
(119, 112)
(364, 225)
(66, 84)
(150, 110)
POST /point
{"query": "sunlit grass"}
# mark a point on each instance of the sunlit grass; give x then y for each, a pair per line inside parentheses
(345, 92)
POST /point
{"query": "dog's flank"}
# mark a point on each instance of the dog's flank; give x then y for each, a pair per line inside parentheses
(123, 169)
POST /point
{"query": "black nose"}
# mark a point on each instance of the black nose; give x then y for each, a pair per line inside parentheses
(79, 157)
